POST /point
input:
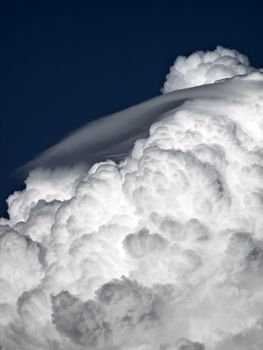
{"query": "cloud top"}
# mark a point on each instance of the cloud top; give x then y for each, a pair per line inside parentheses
(206, 68)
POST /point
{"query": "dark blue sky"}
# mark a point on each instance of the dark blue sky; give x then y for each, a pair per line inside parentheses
(66, 63)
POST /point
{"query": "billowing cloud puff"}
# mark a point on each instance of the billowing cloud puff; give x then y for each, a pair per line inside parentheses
(162, 250)
(206, 68)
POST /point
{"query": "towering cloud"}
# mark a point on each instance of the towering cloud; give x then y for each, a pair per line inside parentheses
(206, 68)
(162, 250)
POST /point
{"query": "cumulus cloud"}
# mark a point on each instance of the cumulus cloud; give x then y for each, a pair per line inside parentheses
(206, 68)
(162, 250)
(120, 314)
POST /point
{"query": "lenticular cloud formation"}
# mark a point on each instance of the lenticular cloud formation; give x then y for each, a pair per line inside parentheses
(162, 250)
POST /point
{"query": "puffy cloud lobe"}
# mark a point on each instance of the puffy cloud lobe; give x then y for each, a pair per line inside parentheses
(206, 68)
(161, 251)
(143, 243)
(185, 344)
(121, 307)
(20, 265)
(81, 322)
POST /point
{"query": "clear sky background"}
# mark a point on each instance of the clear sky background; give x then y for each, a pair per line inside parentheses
(65, 63)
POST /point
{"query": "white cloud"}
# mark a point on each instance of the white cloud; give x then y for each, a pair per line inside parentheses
(162, 251)
(206, 68)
